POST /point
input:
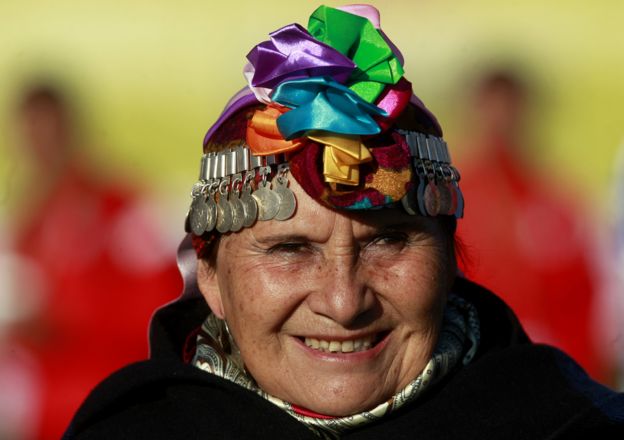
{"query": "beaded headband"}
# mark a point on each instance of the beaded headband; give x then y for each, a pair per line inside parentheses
(328, 105)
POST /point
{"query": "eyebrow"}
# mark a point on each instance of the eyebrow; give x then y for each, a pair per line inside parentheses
(402, 226)
(283, 238)
(375, 228)
(382, 220)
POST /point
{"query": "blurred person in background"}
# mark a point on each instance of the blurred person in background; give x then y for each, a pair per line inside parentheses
(99, 262)
(533, 249)
(20, 375)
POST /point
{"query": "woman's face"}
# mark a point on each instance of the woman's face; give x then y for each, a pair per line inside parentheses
(331, 312)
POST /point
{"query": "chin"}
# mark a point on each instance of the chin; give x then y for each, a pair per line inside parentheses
(345, 400)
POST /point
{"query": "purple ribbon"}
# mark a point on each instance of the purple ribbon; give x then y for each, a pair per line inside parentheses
(244, 98)
(293, 53)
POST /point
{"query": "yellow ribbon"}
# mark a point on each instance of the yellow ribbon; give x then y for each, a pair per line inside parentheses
(341, 157)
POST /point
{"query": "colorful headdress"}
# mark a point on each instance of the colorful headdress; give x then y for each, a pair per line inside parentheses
(328, 105)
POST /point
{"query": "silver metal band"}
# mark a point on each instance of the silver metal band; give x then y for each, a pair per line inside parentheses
(435, 186)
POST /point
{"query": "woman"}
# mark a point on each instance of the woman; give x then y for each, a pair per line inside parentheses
(321, 297)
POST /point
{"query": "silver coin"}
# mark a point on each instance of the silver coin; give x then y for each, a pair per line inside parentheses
(268, 202)
(287, 204)
(432, 199)
(197, 215)
(445, 199)
(224, 215)
(238, 213)
(421, 196)
(250, 207)
(453, 193)
(212, 214)
(408, 201)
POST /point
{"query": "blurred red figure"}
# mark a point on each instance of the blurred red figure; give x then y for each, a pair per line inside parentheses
(103, 264)
(532, 249)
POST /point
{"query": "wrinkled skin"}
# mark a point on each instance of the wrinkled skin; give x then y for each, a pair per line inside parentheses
(332, 276)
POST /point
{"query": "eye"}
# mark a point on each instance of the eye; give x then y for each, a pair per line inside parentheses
(389, 238)
(289, 248)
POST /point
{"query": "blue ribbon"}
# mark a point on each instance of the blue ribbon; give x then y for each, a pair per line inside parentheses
(320, 103)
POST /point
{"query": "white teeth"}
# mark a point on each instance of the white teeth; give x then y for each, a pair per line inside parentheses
(347, 346)
(340, 346)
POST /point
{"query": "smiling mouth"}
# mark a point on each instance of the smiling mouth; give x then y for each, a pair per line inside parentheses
(346, 346)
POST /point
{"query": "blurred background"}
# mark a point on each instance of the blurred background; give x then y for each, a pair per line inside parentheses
(103, 108)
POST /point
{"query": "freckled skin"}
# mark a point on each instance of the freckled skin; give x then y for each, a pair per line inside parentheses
(324, 273)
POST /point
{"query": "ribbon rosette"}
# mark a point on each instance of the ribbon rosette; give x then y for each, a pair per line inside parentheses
(263, 136)
(357, 38)
(293, 53)
(321, 104)
(342, 157)
(321, 83)
(333, 115)
(393, 100)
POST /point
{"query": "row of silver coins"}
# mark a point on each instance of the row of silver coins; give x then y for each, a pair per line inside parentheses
(436, 191)
(226, 197)
(426, 146)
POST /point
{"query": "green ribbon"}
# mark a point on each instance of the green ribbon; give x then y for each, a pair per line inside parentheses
(357, 38)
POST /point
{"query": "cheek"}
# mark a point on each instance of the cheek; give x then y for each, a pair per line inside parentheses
(415, 285)
(257, 298)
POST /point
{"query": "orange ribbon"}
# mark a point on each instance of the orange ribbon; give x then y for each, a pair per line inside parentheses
(263, 136)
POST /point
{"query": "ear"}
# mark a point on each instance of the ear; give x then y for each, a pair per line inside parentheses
(208, 283)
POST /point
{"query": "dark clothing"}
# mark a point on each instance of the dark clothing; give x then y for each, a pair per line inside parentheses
(513, 389)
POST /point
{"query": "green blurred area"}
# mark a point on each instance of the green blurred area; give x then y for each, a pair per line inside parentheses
(151, 76)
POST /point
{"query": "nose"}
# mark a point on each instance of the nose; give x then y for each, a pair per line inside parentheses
(343, 296)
